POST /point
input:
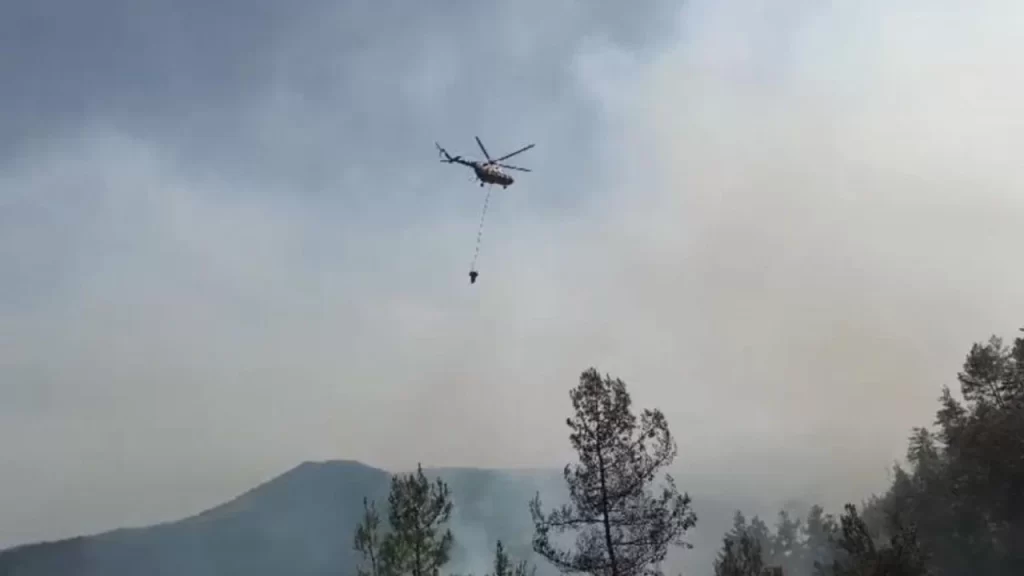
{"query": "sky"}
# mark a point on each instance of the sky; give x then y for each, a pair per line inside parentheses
(227, 245)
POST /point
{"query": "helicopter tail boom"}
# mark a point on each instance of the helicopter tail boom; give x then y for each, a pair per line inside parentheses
(448, 158)
(444, 153)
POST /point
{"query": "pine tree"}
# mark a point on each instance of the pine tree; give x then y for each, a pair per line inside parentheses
(504, 567)
(418, 509)
(859, 555)
(787, 550)
(818, 532)
(368, 540)
(741, 555)
(739, 524)
(963, 485)
(760, 532)
(622, 528)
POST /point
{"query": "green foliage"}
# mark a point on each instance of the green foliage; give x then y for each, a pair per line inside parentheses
(622, 528)
(819, 546)
(964, 487)
(415, 545)
(761, 533)
(367, 540)
(785, 544)
(504, 567)
(741, 555)
(818, 532)
(794, 547)
(956, 509)
(857, 553)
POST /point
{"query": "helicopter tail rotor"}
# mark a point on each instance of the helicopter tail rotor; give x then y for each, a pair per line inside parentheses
(445, 156)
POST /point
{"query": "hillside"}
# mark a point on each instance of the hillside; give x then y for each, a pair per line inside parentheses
(301, 523)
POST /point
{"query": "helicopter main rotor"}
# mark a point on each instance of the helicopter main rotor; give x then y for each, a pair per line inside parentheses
(449, 159)
(497, 162)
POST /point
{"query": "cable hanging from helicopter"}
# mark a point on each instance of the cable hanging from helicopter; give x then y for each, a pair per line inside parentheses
(479, 232)
(489, 173)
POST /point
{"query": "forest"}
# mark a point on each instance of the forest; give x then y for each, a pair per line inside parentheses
(954, 508)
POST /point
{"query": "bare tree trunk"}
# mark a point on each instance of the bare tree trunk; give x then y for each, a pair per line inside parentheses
(607, 520)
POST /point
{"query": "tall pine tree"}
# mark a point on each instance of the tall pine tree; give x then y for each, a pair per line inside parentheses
(818, 532)
(367, 540)
(417, 543)
(623, 529)
(418, 509)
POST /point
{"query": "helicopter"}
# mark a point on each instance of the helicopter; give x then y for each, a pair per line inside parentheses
(489, 172)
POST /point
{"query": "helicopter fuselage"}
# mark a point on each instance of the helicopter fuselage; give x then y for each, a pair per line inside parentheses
(490, 174)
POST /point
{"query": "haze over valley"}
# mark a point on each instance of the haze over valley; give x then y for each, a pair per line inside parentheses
(233, 273)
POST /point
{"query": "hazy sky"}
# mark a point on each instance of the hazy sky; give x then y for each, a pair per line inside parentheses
(227, 246)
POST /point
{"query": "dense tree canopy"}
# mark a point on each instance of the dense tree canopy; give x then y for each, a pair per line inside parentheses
(742, 554)
(955, 509)
(964, 484)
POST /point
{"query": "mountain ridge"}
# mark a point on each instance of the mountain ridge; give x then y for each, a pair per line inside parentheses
(302, 521)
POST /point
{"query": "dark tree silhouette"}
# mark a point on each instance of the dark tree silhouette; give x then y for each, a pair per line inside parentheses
(818, 532)
(964, 484)
(741, 555)
(367, 540)
(622, 528)
(859, 555)
(955, 509)
(504, 567)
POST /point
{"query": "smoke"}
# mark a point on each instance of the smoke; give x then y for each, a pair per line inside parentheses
(815, 209)
(782, 225)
